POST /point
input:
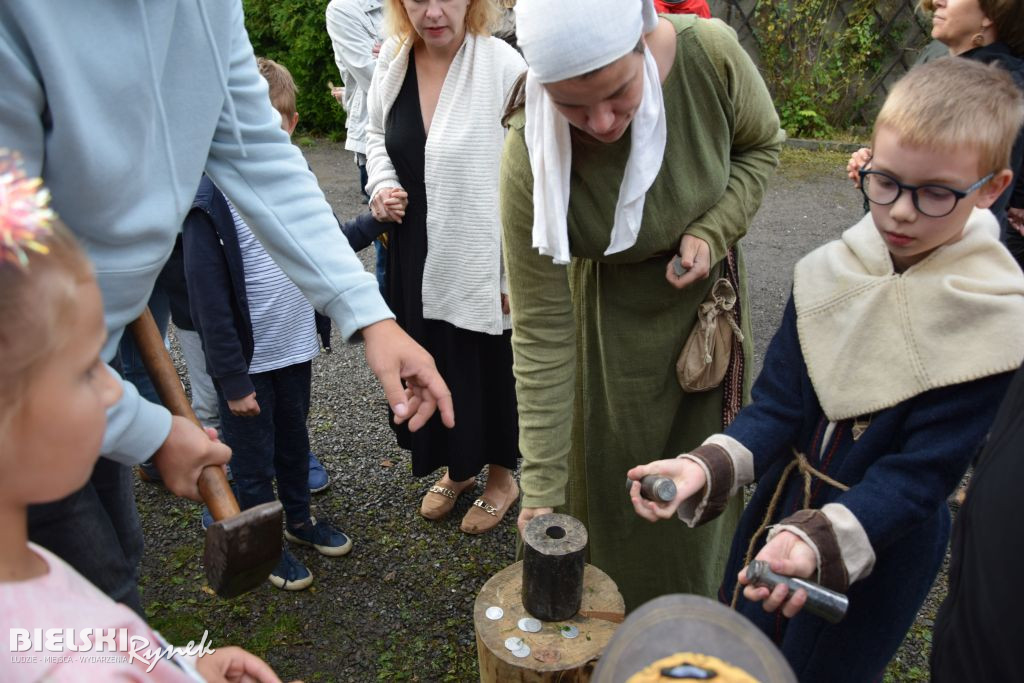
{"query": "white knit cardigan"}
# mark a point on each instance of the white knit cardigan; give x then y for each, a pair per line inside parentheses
(463, 273)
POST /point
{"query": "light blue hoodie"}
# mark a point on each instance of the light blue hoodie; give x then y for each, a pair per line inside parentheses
(120, 105)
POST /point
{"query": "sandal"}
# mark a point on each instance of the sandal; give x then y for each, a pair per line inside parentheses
(483, 516)
(439, 500)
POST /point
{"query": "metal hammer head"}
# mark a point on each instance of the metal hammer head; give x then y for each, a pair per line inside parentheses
(242, 550)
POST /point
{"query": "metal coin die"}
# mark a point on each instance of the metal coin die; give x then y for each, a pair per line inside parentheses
(822, 602)
(655, 487)
(677, 266)
(553, 562)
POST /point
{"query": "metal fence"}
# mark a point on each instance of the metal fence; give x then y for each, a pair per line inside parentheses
(905, 31)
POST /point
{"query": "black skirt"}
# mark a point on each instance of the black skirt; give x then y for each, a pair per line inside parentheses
(476, 366)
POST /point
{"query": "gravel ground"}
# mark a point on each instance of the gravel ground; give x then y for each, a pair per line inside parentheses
(399, 607)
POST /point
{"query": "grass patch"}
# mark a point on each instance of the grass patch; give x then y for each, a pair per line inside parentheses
(273, 629)
(802, 164)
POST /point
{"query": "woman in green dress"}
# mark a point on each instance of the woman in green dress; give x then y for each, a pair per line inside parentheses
(634, 163)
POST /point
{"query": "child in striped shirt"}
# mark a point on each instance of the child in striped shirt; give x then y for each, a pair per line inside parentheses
(259, 338)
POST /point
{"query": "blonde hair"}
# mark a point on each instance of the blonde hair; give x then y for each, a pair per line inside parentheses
(953, 102)
(35, 307)
(1005, 17)
(282, 86)
(481, 17)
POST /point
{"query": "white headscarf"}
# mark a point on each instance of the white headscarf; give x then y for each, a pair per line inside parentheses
(562, 39)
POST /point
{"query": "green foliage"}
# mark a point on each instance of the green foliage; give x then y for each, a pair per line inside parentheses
(822, 59)
(294, 33)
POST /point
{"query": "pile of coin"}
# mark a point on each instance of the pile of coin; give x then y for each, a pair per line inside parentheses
(516, 645)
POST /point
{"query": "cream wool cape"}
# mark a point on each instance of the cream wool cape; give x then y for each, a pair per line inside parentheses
(873, 338)
(463, 273)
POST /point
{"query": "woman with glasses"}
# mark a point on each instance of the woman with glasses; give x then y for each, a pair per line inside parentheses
(991, 32)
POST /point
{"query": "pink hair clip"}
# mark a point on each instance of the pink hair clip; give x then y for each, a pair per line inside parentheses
(25, 213)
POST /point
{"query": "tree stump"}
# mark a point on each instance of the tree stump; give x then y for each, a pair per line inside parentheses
(553, 657)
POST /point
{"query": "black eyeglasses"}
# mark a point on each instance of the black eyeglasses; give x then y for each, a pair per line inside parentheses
(935, 201)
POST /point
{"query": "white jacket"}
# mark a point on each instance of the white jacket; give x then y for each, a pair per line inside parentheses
(463, 271)
(355, 27)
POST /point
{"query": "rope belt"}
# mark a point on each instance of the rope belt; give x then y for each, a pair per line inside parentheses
(801, 463)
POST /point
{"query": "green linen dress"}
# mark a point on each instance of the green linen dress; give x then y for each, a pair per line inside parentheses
(596, 342)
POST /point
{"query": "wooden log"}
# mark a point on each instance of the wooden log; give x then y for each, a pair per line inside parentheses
(553, 657)
(553, 547)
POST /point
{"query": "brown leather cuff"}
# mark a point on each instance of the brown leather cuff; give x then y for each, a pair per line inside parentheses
(716, 491)
(831, 570)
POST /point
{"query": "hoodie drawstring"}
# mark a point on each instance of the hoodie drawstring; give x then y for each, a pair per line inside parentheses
(161, 110)
(236, 129)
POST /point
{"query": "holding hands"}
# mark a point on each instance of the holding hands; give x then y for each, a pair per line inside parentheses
(389, 204)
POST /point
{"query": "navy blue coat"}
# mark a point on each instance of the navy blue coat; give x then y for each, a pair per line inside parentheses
(215, 278)
(1001, 54)
(900, 472)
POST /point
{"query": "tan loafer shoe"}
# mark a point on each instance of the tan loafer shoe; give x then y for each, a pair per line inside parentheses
(483, 516)
(439, 500)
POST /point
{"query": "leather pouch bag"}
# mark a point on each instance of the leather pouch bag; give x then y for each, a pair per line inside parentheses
(705, 357)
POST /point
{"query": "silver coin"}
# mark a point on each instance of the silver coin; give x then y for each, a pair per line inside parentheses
(512, 644)
(494, 613)
(569, 631)
(529, 624)
(524, 651)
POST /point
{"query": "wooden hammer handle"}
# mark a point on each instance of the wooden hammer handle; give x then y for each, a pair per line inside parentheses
(213, 484)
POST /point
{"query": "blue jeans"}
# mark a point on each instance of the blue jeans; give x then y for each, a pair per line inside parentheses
(96, 530)
(274, 443)
(131, 362)
(382, 268)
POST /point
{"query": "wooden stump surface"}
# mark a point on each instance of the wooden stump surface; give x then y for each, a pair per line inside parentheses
(552, 657)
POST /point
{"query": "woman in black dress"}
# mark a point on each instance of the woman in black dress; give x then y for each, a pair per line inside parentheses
(434, 131)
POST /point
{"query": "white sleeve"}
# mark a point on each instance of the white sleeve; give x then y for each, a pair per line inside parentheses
(379, 169)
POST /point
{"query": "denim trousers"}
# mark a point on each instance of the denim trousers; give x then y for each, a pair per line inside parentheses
(380, 250)
(131, 361)
(96, 530)
(273, 444)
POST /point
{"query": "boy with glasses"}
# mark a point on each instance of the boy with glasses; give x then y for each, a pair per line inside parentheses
(893, 354)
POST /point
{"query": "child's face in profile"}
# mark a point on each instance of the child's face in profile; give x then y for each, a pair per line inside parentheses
(909, 234)
(59, 429)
